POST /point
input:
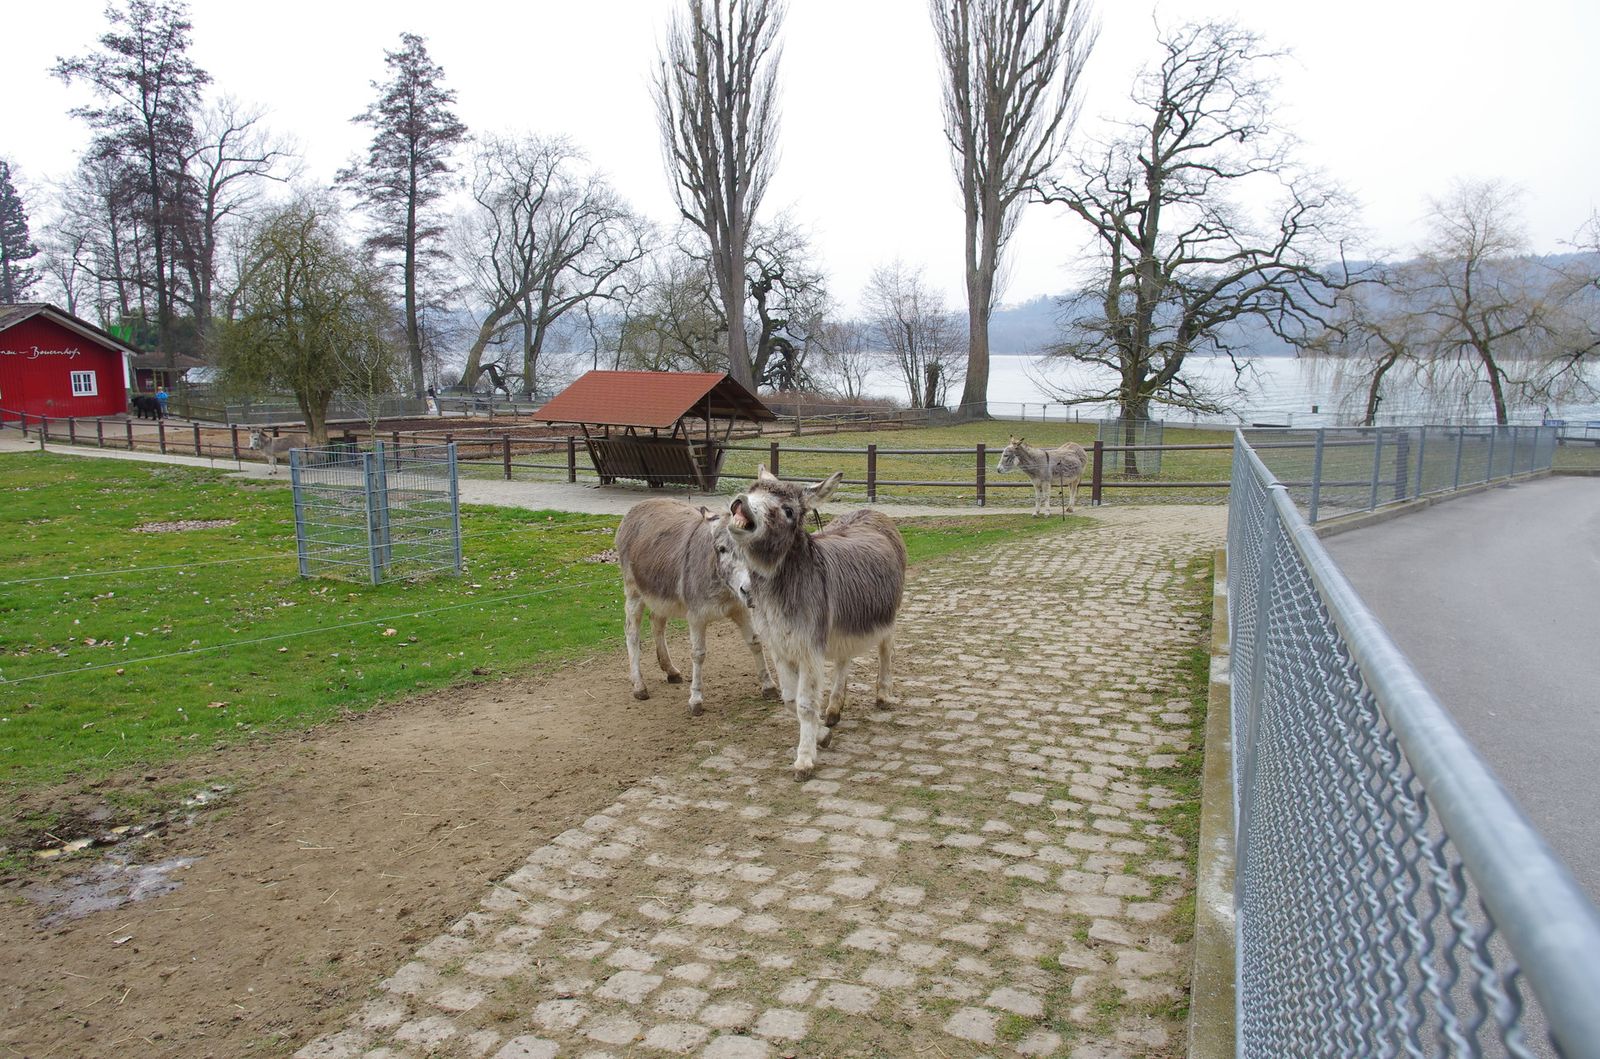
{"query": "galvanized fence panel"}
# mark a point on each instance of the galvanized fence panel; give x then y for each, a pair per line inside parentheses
(1340, 470)
(385, 514)
(1391, 898)
(1122, 433)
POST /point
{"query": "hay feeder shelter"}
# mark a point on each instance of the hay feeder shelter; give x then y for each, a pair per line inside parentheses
(658, 427)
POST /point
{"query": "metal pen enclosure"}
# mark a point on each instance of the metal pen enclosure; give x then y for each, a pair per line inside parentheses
(390, 513)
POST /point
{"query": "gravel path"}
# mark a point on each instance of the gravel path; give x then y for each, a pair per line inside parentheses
(981, 870)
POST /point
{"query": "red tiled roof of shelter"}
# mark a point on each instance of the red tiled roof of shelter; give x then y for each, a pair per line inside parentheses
(656, 399)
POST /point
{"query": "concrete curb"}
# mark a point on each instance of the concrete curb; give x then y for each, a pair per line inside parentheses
(1345, 523)
(1212, 1014)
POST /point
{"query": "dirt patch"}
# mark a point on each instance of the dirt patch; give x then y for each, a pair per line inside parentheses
(179, 527)
(337, 853)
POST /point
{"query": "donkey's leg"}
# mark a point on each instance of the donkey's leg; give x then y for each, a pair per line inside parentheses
(788, 680)
(886, 670)
(1072, 503)
(805, 709)
(832, 705)
(658, 628)
(769, 686)
(1041, 497)
(633, 614)
(697, 661)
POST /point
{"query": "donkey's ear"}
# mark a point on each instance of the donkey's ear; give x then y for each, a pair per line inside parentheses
(816, 494)
(706, 514)
(764, 475)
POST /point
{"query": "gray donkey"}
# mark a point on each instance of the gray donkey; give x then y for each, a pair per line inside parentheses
(667, 551)
(1061, 466)
(272, 448)
(818, 598)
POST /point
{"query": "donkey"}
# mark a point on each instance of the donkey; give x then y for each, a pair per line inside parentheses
(272, 447)
(820, 597)
(667, 551)
(1061, 466)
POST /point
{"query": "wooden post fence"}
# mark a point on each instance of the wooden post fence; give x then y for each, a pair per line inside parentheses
(872, 474)
(772, 457)
(572, 459)
(197, 451)
(982, 471)
(1098, 480)
(505, 453)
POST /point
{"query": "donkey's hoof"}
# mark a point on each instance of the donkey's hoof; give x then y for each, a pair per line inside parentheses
(674, 678)
(696, 709)
(772, 694)
(832, 717)
(885, 702)
(825, 739)
(641, 693)
(801, 775)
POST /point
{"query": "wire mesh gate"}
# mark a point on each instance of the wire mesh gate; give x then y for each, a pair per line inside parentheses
(1391, 899)
(387, 514)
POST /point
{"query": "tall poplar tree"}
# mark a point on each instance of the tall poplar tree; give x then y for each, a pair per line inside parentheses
(406, 170)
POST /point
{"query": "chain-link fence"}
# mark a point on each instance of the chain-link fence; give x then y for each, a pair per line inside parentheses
(386, 514)
(1335, 471)
(1131, 432)
(1391, 899)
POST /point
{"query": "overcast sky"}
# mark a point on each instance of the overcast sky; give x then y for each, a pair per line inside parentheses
(1394, 99)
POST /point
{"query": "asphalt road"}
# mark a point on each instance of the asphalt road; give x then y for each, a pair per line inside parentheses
(1495, 598)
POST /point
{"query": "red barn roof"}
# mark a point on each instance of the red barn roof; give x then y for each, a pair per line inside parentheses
(655, 399)
(16, 313)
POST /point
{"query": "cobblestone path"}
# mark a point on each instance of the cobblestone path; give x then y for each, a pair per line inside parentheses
(982, 870)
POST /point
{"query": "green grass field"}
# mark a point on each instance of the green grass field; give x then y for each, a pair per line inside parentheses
(120, 649)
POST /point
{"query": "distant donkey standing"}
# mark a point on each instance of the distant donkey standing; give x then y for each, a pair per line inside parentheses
(272, 448)
(1059, 466)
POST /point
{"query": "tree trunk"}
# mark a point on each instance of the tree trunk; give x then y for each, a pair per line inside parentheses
(413, 332)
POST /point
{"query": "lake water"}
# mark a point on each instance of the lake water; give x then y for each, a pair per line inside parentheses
(1302, 392)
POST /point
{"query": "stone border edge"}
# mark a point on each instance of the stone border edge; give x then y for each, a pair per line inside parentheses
(1212, 1013)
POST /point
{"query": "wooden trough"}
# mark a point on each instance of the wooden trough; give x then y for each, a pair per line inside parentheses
(654, 426)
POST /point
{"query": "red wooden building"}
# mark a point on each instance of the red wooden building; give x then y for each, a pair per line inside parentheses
(54, 364)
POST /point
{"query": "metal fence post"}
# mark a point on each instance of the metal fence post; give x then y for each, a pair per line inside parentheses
(455, 507)
(1097, 480)
(1422, 448)
(981, 482)
(1402, 463)
(1377, 466)
(1316, 475)
(872, 473)
(1488, 470)
(1511, 468)
(372, 464)
(572, 459)
(297, 488)
(1461, 438)
(505, 452)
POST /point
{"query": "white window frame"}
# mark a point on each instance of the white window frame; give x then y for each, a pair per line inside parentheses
(85, 384)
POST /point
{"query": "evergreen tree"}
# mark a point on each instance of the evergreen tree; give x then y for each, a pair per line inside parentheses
(406, 171)
(15, 244)
(148, 90)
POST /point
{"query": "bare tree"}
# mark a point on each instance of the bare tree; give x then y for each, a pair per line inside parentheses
(405, 172)
(716, 98)
(673, 323)
(918, 333)
(1011, 70)
(231, 156)
(1183, 267)
(789, 297)
(844, 357)
(547, 235)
